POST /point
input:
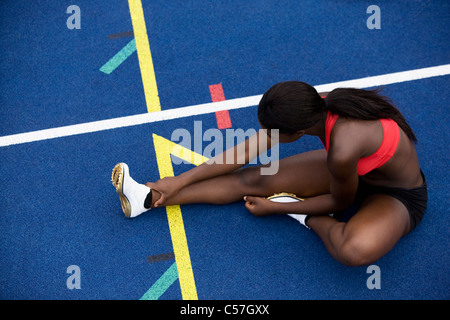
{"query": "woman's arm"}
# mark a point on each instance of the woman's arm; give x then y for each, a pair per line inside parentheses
(342, 164)
(229, 161)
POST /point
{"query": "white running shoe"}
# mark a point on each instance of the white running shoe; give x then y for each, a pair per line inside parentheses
(285, 197)
(132, 194)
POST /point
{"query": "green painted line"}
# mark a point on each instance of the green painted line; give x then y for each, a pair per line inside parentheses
(119, 57)
(162, 284)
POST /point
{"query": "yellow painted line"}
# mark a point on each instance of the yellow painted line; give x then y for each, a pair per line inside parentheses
(144, 56)
(164, 148)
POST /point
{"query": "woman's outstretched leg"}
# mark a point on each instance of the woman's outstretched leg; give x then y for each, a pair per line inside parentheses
(304, 174)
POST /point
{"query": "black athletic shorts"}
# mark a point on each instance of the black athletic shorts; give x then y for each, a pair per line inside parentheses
(415, 200)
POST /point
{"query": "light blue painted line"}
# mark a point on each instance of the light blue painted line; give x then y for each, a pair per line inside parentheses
(119, 57)
(162, 284)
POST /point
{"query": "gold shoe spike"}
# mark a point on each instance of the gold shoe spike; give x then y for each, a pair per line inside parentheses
(117, 182)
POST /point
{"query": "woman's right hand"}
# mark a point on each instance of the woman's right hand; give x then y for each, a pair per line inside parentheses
(167, 187)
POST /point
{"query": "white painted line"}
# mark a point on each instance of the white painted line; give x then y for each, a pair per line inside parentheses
(389, 78)
(211, 107)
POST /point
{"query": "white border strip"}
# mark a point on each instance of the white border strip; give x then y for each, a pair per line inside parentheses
(211, 107)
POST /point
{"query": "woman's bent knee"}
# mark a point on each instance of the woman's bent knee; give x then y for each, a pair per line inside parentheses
(355, 253)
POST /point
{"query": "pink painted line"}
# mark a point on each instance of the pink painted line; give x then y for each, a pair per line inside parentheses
(222, 117)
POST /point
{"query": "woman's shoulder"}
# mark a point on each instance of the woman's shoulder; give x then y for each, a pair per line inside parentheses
(354, 139)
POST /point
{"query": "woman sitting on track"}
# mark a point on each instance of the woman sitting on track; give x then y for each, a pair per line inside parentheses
(369, 158)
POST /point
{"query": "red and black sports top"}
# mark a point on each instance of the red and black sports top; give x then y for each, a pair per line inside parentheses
(382, 155)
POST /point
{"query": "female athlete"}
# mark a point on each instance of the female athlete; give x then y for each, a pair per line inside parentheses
(369, 159)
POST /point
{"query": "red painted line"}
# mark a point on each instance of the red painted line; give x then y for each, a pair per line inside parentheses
(222, 117)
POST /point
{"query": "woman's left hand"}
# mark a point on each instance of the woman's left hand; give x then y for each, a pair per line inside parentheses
(259, 206)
